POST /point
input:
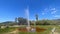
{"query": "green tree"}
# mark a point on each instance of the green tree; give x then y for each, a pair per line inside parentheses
(16, 20)
(22, 21)
(45, 22)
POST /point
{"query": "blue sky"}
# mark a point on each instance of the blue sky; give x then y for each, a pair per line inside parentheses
(46, 9)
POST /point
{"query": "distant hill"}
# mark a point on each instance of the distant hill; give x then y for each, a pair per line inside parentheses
(8, 23)
(57, 21)
(51, 22)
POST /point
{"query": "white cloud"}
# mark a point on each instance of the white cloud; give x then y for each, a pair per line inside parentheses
(53, 12)
(43, 13)
(49, 10)
(53, 8)
(45, 9)
(57, 16)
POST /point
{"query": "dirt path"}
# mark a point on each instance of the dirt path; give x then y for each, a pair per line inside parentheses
(13, 32)
(53, 31)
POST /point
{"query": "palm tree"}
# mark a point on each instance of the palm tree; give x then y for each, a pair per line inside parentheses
(36, 17)
(16, 19)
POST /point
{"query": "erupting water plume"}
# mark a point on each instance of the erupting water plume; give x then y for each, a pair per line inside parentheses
(27, 16)
(29, 28)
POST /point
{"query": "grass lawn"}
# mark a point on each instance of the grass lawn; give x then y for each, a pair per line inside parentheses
(47, 31)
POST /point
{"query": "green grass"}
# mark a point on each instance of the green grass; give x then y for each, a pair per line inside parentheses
(47, 31)
(6, 30)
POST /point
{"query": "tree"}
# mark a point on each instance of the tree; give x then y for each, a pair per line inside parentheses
(22, 21)
(36, 17)
(45, 22)
(16, 19)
